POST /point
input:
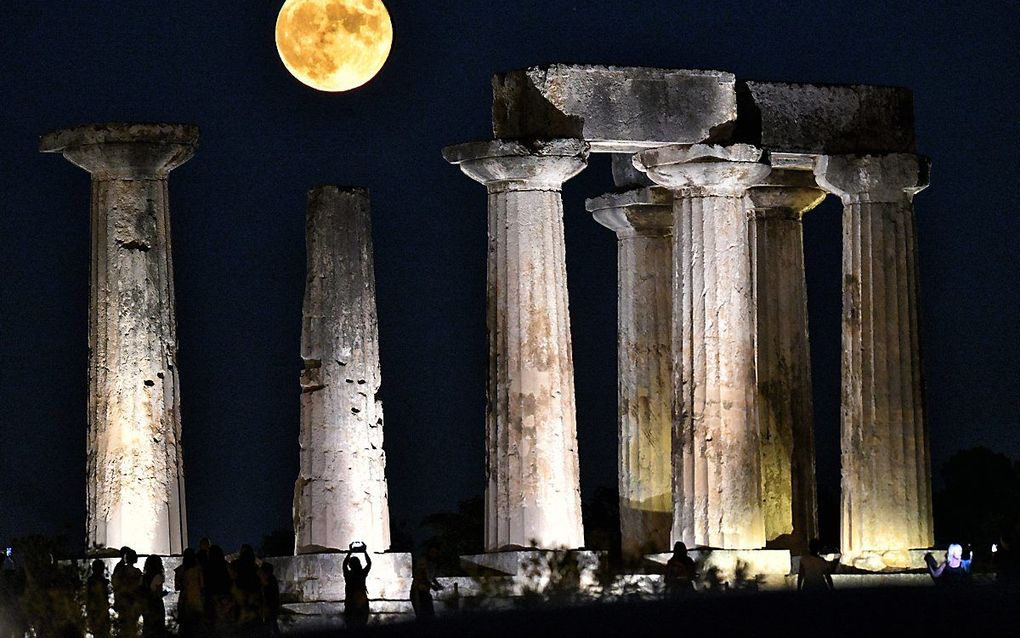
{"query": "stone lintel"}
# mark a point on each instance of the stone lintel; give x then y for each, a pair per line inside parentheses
(873, 178)
(705, 169)
(616, 109)
(520, 164)
(640, 211)
(124, 150)
(825, 118)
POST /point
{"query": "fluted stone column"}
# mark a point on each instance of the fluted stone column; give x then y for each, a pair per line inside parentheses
(340, 495)
(716, 448)
(532, 494)
(135, 472)
(783, 357)
(643, 222)
(886, 464)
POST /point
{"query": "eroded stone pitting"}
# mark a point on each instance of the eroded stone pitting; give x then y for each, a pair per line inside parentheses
(340, 495)
(135, 490)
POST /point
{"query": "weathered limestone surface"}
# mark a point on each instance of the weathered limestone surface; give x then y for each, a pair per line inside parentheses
(783, 361)
(533, 492)
(643, 222)
(820, 118)
(716, 448)
(340, 495)
(616, 109)
(886, 464)
(135, 472)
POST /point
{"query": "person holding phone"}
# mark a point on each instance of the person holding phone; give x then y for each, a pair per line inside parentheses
(954, 570)
(356, 592)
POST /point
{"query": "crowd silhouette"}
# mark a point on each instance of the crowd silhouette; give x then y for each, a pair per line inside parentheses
(217, 597)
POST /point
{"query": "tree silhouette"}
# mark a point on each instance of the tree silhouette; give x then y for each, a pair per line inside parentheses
(979, 499)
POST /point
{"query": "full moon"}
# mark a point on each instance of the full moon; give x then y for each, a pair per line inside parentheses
(334, 45)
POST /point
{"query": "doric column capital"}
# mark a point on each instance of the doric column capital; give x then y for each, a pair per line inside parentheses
(873, 178)
(508, 165)
(641, 211)
(124, 151)
(784, 194)
(705, 170)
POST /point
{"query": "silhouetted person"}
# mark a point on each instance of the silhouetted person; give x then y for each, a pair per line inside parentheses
(954, 571)
(97, 601)
(680, 571)
(247, 589)
(127, 584)
(815, 573)
(154, 611)
(423, 582)
(217, 588)
(270, 589)
(203, 552)
(188, 580)
(355, 590)
(1007, 561)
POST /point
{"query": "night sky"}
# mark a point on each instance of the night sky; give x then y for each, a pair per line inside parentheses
(238, 211)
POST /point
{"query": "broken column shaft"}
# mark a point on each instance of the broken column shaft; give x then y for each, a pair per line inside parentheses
(340, 496)
(716, 449)
(532, 494)
(783, 358)
(643, 221)
(885, 459)
(135, 472)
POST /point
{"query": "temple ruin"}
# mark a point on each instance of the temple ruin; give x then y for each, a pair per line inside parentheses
(711, 179)
(725, 169)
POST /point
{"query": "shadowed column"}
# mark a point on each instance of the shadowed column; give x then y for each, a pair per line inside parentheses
(643, 221)
(716, 448)
(340, 496)
(783, 357)
(533, 493)
(886, 464)
(135, 472)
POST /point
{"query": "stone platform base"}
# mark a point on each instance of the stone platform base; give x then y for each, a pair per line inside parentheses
(762, 568)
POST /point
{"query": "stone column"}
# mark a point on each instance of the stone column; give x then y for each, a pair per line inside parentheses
(716, 448)
(886, 464)
(532, 495)
(340, 495)
(135, 472)
(643, 222)
(783, 357)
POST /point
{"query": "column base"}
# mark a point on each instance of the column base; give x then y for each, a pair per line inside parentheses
(539, 570)
(877, 560)
(737, 567)
(319, 578)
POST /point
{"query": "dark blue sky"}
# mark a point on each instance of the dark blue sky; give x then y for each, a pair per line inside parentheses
(238, 225)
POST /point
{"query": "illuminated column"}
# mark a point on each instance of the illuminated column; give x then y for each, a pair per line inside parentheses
(340, 495)
(533, 492)
(135, 472)
(643, 222)
(783, 357)
(716, 449)
(886, 465)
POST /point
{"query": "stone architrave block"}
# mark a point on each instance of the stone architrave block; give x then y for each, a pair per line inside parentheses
(615, 109)
(826, 119)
